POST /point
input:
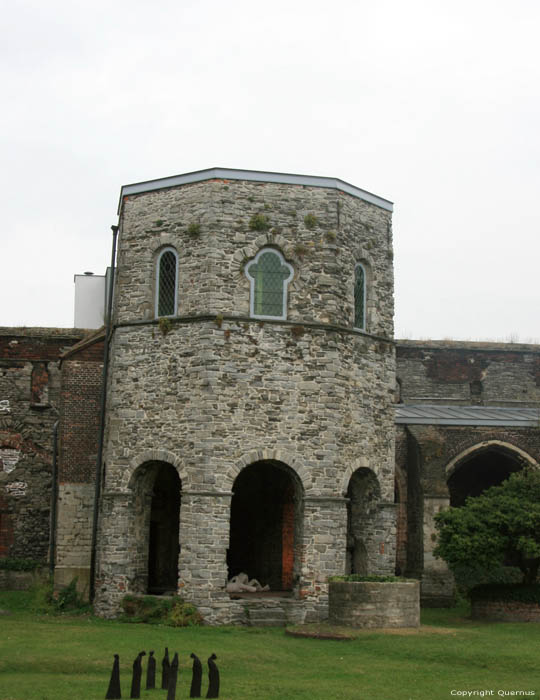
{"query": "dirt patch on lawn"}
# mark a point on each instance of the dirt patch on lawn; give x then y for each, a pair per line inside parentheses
(343, 634)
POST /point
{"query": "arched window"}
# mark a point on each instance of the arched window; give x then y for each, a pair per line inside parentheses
(360, 297)
(269, 275)
(166, 283)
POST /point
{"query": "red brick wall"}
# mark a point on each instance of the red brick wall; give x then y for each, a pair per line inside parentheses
(80, 400)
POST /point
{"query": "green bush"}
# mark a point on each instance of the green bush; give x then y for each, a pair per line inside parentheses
(45, 600)
(174, 612)
(15, 564)
(507, 592)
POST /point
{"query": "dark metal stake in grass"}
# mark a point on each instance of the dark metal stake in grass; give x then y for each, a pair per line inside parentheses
(173, 677)
(165, 667)
(151, 672)
(113, 692)
(213, 678)
(196, 678)
(137, 674)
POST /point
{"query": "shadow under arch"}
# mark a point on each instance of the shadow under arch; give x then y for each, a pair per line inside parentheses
(364, 495)
(478, 467)
(154, 535)
(266, 525)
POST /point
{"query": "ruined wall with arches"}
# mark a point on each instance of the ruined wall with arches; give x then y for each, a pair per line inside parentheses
(265, 412)
(440, 465)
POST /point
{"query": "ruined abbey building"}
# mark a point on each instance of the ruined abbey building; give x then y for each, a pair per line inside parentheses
(252, 407)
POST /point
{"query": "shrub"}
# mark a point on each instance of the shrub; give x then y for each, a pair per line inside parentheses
(15, 564)
(499, 527)
(48, 601)
(174, 612)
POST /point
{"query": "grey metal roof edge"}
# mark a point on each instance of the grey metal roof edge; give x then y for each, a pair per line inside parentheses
(466, 415)
(526, 423)
(253, 176)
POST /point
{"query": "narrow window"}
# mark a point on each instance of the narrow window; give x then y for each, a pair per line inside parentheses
(166, 283)
(269, 275)
(359, 297)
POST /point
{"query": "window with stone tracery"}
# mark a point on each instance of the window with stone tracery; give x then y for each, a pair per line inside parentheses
(269, 276)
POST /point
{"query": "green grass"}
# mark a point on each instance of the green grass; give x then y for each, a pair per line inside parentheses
(58, 657)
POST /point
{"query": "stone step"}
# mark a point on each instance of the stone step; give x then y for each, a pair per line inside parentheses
(262, 616)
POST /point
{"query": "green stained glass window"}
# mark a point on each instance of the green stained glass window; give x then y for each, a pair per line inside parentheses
(359, 297)
(166, 283)
(269, 275)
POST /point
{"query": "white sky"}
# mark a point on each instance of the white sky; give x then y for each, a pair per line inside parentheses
(433, 105)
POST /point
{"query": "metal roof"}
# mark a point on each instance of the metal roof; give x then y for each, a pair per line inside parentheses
(253, 176)
(418, 414)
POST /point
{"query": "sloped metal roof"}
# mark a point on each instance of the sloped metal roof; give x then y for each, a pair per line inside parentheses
(254, 176)
(424, 414)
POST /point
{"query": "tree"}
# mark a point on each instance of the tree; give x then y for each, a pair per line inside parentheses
(499, 527)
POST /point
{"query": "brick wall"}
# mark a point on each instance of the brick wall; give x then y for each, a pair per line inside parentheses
(29, 405)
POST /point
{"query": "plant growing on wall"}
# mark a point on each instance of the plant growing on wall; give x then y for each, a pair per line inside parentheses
(194, 229)
(310, 221)
(165, 325)
(259, 222)
(499, 527)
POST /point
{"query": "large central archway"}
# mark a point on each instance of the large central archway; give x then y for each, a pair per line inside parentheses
(481, 469)
(266, 522)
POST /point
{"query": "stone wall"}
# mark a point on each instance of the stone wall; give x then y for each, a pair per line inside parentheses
(29, 403)
(468, 373)
(371, 604)
(81, 370)
(438, 465)
(217, 391)
(505, 611)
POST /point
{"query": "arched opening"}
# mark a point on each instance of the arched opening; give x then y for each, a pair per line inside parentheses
(266, 521)
(157, 489)
(362, 510)
(479, 470)
(164, 545)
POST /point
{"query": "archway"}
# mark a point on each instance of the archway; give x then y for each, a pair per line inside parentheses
(157, 491)
(266, 522)
(364, 494)
(480, 469)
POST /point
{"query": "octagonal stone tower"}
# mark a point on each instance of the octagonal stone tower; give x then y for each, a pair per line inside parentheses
(249, 421)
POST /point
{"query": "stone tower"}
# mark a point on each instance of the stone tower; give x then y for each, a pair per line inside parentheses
(249, 423)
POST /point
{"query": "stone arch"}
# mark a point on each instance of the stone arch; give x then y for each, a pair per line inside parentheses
(456, 461)
(154, 524)
(481, 466)
(266, 525)
(139, 460)
(268, 240)
(350, 470)
(253, 456)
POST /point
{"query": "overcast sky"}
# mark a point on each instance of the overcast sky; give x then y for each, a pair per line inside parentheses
(433, 105)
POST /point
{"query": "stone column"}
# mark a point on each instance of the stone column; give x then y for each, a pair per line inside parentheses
(437, 586)
(115, 557)
(323, 551)
(382, 552)
(204, 539)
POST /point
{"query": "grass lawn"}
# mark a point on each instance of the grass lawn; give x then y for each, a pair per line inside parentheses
(57, 657)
